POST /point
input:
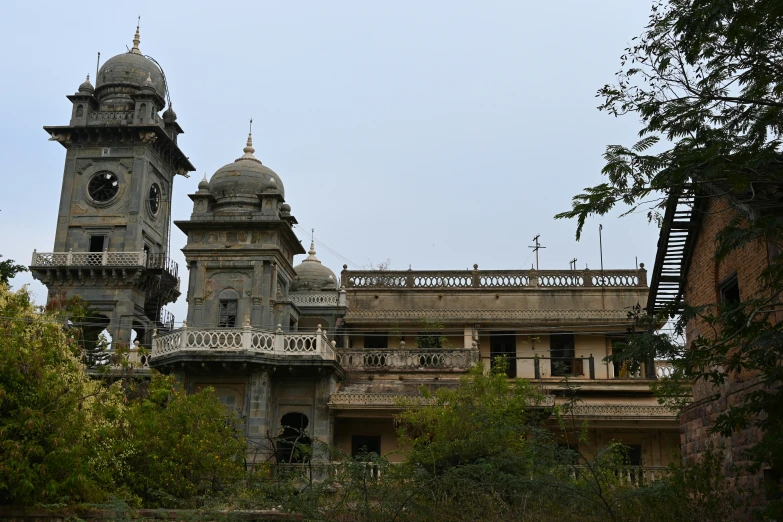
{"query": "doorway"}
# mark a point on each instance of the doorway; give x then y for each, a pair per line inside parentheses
(504, 344)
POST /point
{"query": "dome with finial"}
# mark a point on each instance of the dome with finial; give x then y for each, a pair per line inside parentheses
(86, 86)
(203, 184)
(124, 74)
(312, 275)
(240, 182)
(169, 114)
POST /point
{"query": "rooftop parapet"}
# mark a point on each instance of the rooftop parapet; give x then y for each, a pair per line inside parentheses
(492, 279)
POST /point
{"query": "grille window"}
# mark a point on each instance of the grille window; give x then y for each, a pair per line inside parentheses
(228, 313)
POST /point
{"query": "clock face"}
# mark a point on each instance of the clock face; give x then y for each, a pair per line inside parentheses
(154, 199)
(103, 186)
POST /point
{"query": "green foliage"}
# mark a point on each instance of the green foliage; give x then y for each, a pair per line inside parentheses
(67, 438)
(705, 78)
(174, 449)
(9, 269)
(52, 415)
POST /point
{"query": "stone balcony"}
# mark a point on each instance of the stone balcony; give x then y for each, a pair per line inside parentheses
(245, 344)
(156, 273)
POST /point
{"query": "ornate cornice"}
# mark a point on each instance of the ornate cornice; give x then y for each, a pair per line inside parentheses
(484, 314)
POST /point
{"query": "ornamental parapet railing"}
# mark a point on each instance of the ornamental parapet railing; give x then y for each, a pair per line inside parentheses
(621, 410)
(329, 298)
(356, 399)
(246, 338)
(420, 359)
(493, 279)
(102, 259)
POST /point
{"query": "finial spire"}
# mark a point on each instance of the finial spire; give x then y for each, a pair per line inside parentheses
(312, 242)
(136, 39)
(249, 150)
(88, 79)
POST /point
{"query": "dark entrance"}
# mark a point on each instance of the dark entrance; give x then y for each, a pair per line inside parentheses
(293, 445)
(504, 344)
(562, 349)
(365, 444)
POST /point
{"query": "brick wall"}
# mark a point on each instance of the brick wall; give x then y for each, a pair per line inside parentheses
(705, 276)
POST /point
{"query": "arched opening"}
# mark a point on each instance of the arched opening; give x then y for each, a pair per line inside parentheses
(79, 111)
(142, 111)
(294, 445)
(228, 304)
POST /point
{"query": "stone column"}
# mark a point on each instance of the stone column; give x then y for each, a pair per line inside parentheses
(322, 421)
(258, 421)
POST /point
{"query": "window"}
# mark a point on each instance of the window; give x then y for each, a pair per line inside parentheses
(98, 243)
(228, 313)
(562, 353)
(376, 340)
(365, 445)
(634, 457)
(729, 290)
(430, 340)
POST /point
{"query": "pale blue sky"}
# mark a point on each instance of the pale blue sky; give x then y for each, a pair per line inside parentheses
(435, 134)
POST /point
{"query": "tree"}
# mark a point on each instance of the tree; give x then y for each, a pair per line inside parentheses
(69, 438)
(51, 413)
(705, 79)
(8, 270)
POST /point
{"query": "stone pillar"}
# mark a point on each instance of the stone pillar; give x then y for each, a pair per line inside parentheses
(257, 428)
(322, 422)
(121, 323)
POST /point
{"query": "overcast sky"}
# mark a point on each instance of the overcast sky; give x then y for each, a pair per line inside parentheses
(434, 134)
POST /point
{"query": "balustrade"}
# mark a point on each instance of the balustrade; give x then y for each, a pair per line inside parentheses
(105, 258)
(434, 358)
(246, 339)
(314, 298)
(494, 279)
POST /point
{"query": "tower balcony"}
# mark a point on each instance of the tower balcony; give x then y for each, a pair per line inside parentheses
(155, 273)
(246, 345)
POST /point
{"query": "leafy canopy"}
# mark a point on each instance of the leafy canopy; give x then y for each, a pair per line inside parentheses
(704, 78)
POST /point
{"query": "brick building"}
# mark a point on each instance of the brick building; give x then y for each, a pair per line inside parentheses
(687, 272)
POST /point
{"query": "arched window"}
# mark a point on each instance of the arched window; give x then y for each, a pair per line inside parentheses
(293, 444)
(142, 111)
(79, 111)
(228, 301)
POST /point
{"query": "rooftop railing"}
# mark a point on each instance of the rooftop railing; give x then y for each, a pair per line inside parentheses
(246, 338)
(494, 279)
(327, 298)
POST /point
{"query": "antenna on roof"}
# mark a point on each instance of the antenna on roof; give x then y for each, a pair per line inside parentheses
(572, 264)
(536, 248)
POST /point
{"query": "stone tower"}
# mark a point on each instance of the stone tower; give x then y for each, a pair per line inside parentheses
(240, 248)
(113, 225)
(242, 336)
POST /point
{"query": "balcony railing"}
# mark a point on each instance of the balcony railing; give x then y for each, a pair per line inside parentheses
(494, 279)
(329, 298)
(105, 258)
(247, 339)
(421, 359)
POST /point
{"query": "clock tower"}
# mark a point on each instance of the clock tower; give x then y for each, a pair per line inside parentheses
(111, 243)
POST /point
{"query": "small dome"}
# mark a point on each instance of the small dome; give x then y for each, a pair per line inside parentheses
(169, 114)
(312, 275)
(87, 87)
(148, 84)
(125, 73)
(240, 182)
(203, 184)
